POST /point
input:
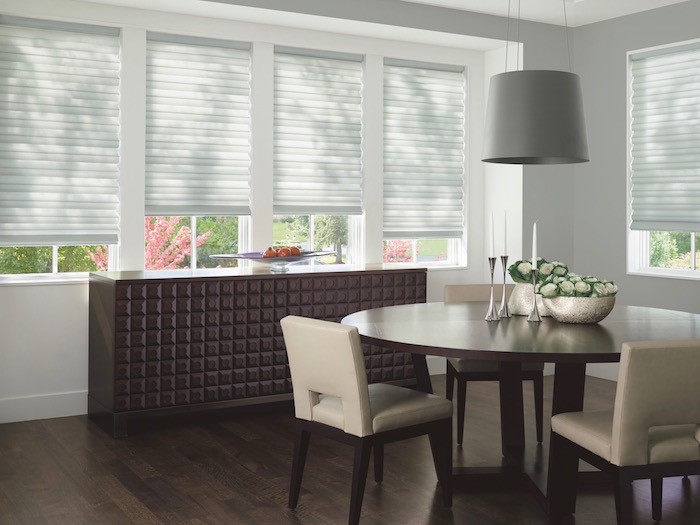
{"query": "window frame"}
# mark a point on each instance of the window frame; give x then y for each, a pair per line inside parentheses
(638, 241)
(74, 143)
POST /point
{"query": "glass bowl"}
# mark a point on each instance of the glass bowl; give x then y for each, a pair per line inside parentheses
(277, 264)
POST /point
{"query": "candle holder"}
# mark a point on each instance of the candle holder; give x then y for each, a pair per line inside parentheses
(534, 314)
(492, 314)
(503, 310)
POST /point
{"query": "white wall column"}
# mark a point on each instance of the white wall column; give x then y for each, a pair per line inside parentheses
(262, 135)
(373, 157)
(133, 149)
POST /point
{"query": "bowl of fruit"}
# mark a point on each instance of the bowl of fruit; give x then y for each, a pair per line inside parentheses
(278, 258)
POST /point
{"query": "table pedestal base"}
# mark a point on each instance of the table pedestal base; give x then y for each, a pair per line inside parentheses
(517, 468)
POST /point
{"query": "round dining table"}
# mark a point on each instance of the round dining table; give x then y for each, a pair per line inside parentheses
(459, 330)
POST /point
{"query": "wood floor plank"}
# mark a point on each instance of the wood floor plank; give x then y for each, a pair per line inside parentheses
(234, 469)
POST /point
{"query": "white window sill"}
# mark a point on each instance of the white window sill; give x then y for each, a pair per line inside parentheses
(48, 279)
(428, 266)
(44, 279)
(665, 273)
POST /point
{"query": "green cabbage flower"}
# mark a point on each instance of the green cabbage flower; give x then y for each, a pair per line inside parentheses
(566, 288)
(583, 289)
(548, 290)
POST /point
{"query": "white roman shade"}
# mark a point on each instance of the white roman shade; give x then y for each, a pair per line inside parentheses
(317, 134)
(665, 133)
(59, 134)
(197, 127)
(424, 107)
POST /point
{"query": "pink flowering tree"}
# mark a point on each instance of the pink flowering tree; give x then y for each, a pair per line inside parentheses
(396, 250)
(99, 257)
(168, 244)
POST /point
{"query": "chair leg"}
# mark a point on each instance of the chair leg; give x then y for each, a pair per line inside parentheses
(363, 447)
(561, 480)
(441, 447)
(449, 381)
(657, 488)
(623, 499)
(538, 389)
(461, 407)
(301, 446)
(378, 452)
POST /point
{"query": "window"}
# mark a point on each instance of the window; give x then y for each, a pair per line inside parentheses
(424, 107)
(59, 190)
(673, 250)
(177, 242)
(317, 178)
(197, 151)
(315, 232)
(664, 198)
(422, 251)
(53, 259)
(197, 127)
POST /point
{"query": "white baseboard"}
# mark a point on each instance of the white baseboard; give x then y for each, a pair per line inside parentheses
(65, 404)
(44, 406)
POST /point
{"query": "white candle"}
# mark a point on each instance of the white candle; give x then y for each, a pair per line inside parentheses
(505, 234)
(534, 246)
(492, 252)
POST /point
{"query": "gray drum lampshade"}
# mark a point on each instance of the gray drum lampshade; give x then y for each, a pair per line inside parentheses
(535, 117)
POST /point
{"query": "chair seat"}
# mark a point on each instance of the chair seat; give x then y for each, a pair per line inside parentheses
(470, 365)
(673, 443)
(593, 431)
(392, 407)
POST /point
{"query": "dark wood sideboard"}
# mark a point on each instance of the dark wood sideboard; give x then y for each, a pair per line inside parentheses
(169, 343)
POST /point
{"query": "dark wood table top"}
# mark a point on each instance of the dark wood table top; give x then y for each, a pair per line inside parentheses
(459, 330)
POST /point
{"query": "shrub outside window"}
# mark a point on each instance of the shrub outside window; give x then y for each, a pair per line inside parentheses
(314, 232)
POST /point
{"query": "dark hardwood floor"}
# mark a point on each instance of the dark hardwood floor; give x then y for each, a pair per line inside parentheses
(235, 470)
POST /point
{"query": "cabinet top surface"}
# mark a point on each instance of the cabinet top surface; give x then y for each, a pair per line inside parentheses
(250, 271)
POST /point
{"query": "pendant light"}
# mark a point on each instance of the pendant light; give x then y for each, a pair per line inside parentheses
(535, 116)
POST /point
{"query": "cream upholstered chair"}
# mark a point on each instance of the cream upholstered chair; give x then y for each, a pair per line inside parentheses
(651, 433)
(332, 398)
(463, 370)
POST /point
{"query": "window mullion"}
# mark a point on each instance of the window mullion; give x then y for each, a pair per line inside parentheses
(54, 259)
(693, 262)
(193, 242)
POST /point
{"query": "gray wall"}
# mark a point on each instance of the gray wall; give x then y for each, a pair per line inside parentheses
(599, 197)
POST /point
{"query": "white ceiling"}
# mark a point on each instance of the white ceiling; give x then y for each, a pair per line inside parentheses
(579, 12)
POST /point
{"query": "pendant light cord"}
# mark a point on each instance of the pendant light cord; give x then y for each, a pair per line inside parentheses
(517, 40)
(569, 50)
(566, 33)
(507, 36)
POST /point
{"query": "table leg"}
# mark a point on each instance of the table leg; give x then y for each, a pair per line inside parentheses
(569, 386)
(420, 367)
(512, 420)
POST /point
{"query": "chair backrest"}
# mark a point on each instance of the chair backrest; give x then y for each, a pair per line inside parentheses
(465, 293)
(658, 384)
(327, 358)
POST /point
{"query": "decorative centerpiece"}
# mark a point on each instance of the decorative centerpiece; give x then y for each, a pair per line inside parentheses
(571, 298)
(278, 259)
(520, 301)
